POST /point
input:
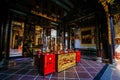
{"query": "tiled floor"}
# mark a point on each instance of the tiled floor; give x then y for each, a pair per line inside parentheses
(22, 69)
(15, 52)
(116, 70)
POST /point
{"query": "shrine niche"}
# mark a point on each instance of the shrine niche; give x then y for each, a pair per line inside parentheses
(16, 38)
(86, 37)
(17, 34)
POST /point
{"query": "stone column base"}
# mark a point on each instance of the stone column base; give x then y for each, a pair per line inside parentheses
(99, 59)
(114, 61)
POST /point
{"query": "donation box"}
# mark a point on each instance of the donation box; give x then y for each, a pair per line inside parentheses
(47, 63)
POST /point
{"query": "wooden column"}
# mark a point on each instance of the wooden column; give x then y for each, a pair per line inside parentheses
(112, 35)
(98, 36)
(59, 35)
(3, 22)
(8, 35)
(64, 30)
(1, 40)
(68, 37)
(108, 36)
(24, 38)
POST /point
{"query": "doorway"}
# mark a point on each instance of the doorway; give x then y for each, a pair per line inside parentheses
(16, 40)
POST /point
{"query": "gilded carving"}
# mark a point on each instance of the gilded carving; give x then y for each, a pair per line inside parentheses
(65, 61)
(105, 6)
(116, 18)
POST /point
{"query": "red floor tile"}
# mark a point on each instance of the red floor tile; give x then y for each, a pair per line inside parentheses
(27, 78)
(71, 75)
(79, 69)
(23, 70)
(84, 75)
(89, 69)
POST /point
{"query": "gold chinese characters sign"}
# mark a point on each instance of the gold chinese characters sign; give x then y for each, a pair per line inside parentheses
(65, 61)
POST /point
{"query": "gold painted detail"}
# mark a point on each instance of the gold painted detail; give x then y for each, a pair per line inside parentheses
(43, 15)
(116, 18)
(65, 61)
(105, 6)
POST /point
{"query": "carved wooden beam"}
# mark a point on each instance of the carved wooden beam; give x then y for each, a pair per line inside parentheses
(105, 5)
(116, 18)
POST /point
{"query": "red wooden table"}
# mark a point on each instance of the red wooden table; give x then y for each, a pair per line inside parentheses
(46, 63)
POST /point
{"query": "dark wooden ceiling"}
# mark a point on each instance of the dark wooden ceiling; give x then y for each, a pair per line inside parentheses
(63, 10)
(54, 7)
